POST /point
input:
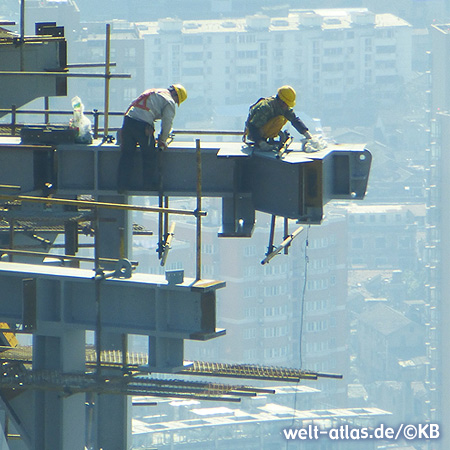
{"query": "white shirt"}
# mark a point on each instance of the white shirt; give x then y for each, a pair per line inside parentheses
(152, 105)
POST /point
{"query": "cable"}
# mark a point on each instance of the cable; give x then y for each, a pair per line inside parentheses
(302, 310)
(302, 300)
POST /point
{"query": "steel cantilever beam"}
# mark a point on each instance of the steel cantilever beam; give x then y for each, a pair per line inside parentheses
(296, 186)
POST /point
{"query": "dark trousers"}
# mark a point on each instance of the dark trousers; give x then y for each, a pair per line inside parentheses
(136, 132)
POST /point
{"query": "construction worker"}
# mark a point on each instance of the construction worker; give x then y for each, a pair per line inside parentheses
(268, 116)
(139, 128)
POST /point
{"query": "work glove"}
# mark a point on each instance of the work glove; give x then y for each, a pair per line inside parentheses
(314, 144)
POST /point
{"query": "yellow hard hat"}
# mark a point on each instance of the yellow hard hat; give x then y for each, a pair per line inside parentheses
(181, 92)
(287, 94)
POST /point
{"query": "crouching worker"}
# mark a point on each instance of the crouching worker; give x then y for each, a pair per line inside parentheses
(139, 128)
(268, 116)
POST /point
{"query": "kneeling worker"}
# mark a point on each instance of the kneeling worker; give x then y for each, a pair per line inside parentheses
(268, 116)
(139, 128)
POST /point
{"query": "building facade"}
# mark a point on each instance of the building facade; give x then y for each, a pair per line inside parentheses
(334, 58)
(290, 312)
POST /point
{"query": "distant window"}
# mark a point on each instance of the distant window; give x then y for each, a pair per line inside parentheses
(193, 56)
(278, 53)
(251, 291)
(279, 37)
(193, 40)
(250, 250)
(246, 54)
(245, 70)
(357, 243)
(249, 333)
(193, 71)
(316, 47)
(263, 49)
(250, 312)
(247, 86)
(380, 242)
(386, 49)
(333, 51)
(381, 262)
(208, 249)
(405, 242)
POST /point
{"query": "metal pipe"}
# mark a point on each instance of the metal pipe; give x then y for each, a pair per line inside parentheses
(168, 242)
(160, 201)
(86, 65)
(95, 223)
(271, 234)
(160, 227)
(95, 113)
(286, 233)
(107, 76)
(122, 242)
(13, 119)
(166, 217)
(39, 39)
(11, 238)
(56, 256)
(97, 280)
(283, 245)
(65, 74)
(207, 132)
(22, 20)
(94, 204)
(10, 186)
(199, 207)
(22, 32)
(124, 353)
(46, 110)
(60, 112)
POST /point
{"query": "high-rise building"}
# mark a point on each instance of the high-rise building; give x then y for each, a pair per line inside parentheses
(336, 59)
(343, 63)
(290, 312)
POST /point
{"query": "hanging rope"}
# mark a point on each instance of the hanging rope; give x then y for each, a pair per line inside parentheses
(302, 310)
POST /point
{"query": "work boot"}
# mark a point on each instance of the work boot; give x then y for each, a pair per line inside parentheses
(264, 146)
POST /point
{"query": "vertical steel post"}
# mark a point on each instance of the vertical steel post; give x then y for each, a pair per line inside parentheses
(47, 110)
(11, 238)
(96, 116)
(122, 242)
(198, 272)
(13, 119)
(124, 353)
(97, 281)
(71, 240)
(107, 77)
(286, 234)
(22, 33)
(271, 235)
(160, 227)
(166, 219)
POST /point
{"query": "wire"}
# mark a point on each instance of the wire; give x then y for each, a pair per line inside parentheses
(302, 310)
(302, 299)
